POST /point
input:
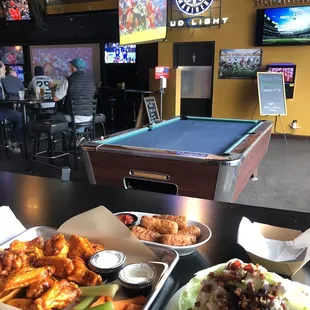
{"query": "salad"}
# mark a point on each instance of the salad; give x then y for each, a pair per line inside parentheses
(238, 285)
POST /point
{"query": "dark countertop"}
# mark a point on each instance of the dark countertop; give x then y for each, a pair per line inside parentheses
(46, 202)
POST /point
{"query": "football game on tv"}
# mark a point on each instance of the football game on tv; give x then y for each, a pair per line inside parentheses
(286, 26)
(15, 10)
(142, 21)
(114, 53)
(19, 71)
(12, 55)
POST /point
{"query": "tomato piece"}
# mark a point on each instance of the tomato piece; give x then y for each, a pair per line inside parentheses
(236, 265)
(248, 268)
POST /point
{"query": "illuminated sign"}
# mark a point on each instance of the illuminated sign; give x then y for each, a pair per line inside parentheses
(193, 7)
(198, 22)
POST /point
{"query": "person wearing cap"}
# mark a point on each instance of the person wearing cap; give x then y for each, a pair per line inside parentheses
(42, 81)
(12, 115)
(80, 88)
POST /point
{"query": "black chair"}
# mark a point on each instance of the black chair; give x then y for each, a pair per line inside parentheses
(100, 119)
(50, 128)
(89, 127)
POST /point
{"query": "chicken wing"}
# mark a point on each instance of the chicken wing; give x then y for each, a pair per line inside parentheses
(11, 260)
(97, 247)
(63, 266)
(6, 296)
(82, 275)
(37, 289)
(21, 303)
(26, 276)
(61, 294)
(28, 246)
(57, 246)
(80, 247)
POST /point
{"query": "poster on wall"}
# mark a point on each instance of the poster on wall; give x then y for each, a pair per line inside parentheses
(239, 63)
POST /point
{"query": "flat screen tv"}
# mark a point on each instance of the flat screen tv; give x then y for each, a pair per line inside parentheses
(16, 10)
(283, 26)
(19, 71)
(116, 54)
(142, 21)
(12, 55)
(288, 70)
(55, 59)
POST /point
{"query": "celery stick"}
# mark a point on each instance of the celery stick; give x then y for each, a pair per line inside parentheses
(106, 306)
(100, 290)
(84, 303)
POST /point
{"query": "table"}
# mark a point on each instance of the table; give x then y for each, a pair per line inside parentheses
(39, 201)
(206, 158)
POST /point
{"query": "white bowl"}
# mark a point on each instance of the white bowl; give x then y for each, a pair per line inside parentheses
(182, 250)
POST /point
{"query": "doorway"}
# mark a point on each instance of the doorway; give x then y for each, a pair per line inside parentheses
(196, 60)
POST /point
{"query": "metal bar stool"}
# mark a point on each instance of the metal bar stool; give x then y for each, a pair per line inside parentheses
(51, 128)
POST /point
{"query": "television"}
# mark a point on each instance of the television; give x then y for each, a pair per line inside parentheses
(55, 59)
(143, 21)
(116, 54)
(12, 55)
(16, 10)
(283, 26)
(20, 72)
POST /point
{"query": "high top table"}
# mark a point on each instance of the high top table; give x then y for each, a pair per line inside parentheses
(46, 202)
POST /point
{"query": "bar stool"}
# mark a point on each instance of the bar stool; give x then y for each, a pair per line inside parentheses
(50, 127)
(100, 119)
(112, 105)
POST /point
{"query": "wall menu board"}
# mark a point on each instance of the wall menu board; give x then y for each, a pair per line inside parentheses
(271, 93)
(151, 109)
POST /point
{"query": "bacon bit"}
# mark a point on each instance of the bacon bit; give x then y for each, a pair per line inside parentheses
(271, 297)
(238, 291)
(197, 304)
(236, 265)
(207, 288)
(248, 268)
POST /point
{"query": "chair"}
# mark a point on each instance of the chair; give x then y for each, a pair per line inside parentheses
(100, 119)
(51, 128)
(89, 127)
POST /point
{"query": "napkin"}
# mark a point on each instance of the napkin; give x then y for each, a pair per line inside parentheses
(10, 226)
(252, 240)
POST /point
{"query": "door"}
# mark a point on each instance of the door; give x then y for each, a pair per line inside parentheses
(196, 60)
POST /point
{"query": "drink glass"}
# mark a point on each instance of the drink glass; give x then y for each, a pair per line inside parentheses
(21, 95)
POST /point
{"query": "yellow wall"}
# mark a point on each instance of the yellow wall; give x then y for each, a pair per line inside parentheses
(237, 98)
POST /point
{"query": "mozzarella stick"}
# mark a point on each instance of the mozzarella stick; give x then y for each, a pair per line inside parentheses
(180, 220)
(145, 234)
(161, 226)
(177, 240)
(191, 230)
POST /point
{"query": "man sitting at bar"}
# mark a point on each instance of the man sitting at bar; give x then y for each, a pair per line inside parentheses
(40, 80)
(10, 114)
(12, 85)
(80, 88)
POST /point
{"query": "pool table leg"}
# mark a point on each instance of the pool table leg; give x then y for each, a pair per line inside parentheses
(254, 176)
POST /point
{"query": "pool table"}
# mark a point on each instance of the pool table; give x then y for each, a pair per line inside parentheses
(208, 158)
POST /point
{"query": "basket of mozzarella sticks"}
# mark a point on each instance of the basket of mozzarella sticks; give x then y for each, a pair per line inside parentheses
(167, 231)
(92, 262)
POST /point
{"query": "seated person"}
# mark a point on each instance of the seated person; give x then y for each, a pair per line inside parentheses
(12, 115)
(79, 87)
(12, 84)
(42, 81)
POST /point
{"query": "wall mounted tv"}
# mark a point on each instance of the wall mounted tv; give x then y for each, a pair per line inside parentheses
(142, 21)
(283, 26)
(16, 10)
(116, 54)
(12, 55)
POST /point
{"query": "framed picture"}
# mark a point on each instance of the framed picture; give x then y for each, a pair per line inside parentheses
(239, 63)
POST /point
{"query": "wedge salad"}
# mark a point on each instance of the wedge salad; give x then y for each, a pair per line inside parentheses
(238, 285)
